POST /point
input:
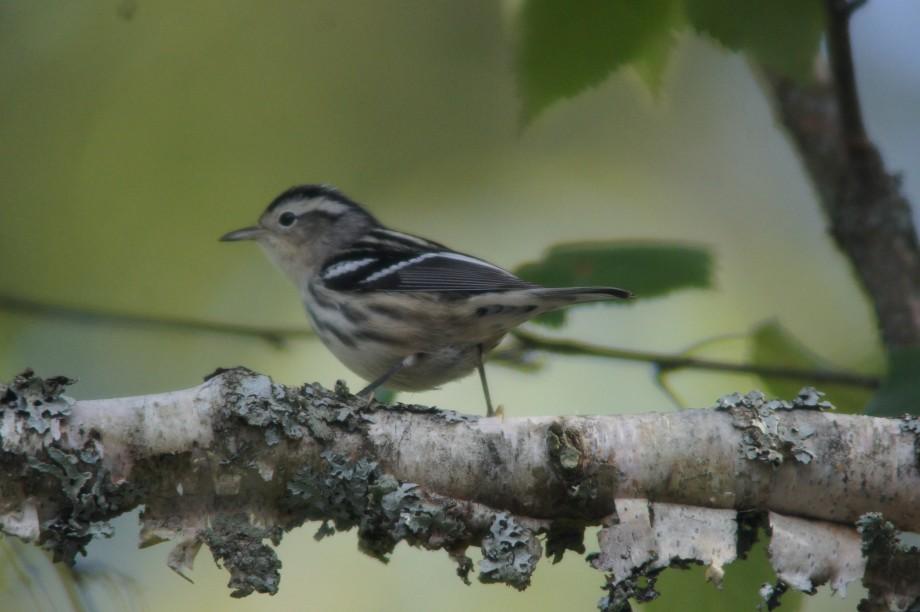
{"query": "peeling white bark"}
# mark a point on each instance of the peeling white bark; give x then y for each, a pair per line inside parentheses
(807, 554)
(692, 457)
(238, 460)
(650, 536)
(146, 425)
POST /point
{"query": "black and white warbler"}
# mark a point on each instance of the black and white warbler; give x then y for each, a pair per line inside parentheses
(397, 309)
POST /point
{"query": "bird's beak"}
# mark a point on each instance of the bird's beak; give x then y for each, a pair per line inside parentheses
(247, 233)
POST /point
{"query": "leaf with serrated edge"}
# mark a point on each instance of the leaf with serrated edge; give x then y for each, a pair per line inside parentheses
(648, 268)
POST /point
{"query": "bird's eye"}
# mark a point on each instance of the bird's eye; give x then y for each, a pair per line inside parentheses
(287, 219)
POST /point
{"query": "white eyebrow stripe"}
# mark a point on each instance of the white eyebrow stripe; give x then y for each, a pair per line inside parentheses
(325, 205)
(344, 267)
(445, 254)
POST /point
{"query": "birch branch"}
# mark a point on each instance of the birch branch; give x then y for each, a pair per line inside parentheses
(240, 460)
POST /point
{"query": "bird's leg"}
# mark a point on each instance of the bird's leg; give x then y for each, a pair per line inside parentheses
(368, 391)
(485, 385)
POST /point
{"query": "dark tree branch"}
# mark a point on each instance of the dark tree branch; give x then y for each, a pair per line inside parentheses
(841, 52)
(870, 219)
(665, 361)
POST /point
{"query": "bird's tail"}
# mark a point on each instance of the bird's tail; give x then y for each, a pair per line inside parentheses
(561, 297)
(511, 308)
(580, 295)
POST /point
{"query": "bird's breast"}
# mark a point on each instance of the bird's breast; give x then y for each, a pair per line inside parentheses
(370, 333)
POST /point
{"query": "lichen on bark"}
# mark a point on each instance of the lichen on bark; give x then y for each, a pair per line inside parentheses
(510, 553)
(767, 437)
(239, 546)
(239, 460)
(45, 467)
(891, 567)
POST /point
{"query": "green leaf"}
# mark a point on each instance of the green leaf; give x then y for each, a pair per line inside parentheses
(773, 345)
(781, 34)
(567, 46)
(648, 269)
(385, 395)
(900, 390)
(650, 65)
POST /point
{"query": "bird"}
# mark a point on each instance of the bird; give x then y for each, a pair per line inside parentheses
(396, 309)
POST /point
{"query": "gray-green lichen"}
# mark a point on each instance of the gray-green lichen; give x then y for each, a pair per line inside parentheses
(40, 403)
(292, 413)
(238, 545)
(307, 411)
(71, 480)
(509, 553)
(341, 491)
(891, 567)
(639, 587)
(385, 510)
(767, 436)
(910, 424)
(337, 492)
(91, 500)
(406, 514)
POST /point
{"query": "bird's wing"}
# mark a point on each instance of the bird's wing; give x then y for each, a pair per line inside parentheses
(414, 265)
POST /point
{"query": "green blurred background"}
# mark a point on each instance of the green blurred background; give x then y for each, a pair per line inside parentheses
(133, 134)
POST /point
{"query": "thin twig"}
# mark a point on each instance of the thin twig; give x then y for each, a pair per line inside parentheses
(277, 337)
(76, 314)
(661, 380)
(665, 361)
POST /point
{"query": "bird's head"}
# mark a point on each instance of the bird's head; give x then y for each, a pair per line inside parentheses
(303, 226)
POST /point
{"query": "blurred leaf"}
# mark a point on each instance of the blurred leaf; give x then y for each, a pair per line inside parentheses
(567, 46)
(739, 591)
(772, 344)
(900, 390)
(781, 34)
(648, 269)
(385, 395)
(650, 65)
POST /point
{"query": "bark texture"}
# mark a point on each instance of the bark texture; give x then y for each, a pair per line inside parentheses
(868, 215)
(239, 460)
